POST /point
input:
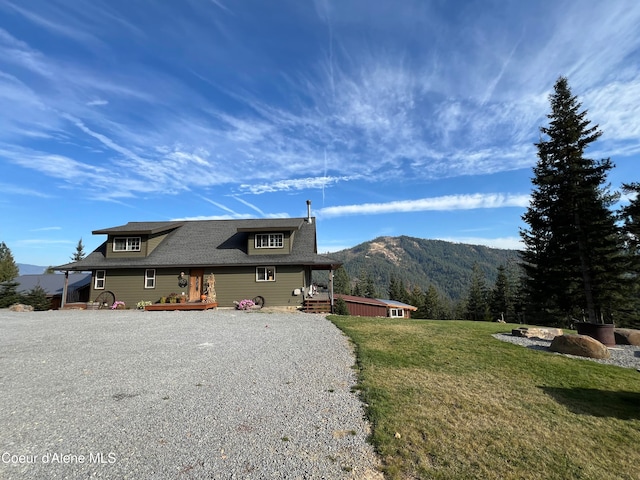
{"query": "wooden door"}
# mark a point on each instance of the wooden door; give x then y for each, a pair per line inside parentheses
(196, 287)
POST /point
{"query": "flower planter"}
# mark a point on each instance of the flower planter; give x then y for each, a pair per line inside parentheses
(603, 332)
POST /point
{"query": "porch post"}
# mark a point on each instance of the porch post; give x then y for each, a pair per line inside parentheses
(64, 289)
(331, 288)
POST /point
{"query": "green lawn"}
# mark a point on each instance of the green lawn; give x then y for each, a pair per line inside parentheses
(448, 401)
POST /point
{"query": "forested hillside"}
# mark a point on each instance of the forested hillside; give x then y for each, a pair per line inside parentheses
(420, 263)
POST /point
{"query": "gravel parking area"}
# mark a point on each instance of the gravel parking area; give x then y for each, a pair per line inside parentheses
(157, 395)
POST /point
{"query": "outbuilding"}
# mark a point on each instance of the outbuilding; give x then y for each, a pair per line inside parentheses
(376, 307)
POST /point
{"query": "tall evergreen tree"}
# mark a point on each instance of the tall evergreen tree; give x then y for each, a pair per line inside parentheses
(9, 294)
(477, 301)
(392, 289)
(397, 290)
(79, 253)
(365, 286)
(341, 281)
(630, 216)
(432, 305)
(501, 297)
(572, 257)
(416, 298)
(8, 267)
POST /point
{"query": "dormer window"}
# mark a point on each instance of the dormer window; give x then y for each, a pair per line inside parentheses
(126, 244)
(269, 240)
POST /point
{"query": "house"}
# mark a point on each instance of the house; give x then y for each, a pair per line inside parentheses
(78, 286)
(270, 258)
(376, 307)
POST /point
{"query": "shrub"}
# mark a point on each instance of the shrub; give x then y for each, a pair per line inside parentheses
(340, 307)
(37, 298)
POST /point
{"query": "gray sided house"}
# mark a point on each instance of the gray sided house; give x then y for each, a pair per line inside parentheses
(271, 258)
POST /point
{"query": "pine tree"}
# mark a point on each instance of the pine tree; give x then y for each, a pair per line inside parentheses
(340, 307)
(432, 305)
(37, 298)
(8, 267)
(501, 297)
(365, 286)
(477, 302)
(79, 253)
(630, 216)
(572, 257)
(9, 294)
(397, 290)
(341, 281)
(416, 298)
(392, 290)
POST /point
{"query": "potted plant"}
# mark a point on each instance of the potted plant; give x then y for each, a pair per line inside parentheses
(163, 299)
(118, 305)
(603, 332)
(173, 297)
(183, 298)
(245, 304)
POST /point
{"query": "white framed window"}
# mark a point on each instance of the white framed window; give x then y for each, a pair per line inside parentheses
(396, 313)
(126, 244)
(101, 276)
(265, 274)
(150, 278)
(269, 240)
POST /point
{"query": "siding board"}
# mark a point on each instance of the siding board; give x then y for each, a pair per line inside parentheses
(232, 283)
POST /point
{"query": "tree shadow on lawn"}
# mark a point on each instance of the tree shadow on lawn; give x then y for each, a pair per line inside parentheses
(599, 403)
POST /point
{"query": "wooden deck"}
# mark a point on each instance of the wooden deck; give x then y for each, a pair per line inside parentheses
(180, 306)
(317, 305)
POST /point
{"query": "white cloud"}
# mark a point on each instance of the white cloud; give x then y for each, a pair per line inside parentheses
(9, 189)
(97, 103)
(250, 205)
(508, 243)
(45, 229)
(348, 106)
(295, 184)
(41, 242)
(444, 203)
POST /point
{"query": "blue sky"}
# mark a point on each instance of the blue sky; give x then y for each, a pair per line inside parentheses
(409, 117)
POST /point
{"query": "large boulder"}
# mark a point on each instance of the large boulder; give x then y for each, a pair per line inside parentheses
(19, 307)
(627, 336)
(537, 332)
(580, 345)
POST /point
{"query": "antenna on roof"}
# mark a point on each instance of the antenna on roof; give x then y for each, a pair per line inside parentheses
(309, 211)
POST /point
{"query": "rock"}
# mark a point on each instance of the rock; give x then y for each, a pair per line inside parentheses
(19, 307)
(627, 336)
(580, 345)
(543, 333)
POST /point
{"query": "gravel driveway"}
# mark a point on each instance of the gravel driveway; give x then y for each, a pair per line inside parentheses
(162, 395)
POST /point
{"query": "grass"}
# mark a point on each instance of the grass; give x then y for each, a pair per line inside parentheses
(448, 401)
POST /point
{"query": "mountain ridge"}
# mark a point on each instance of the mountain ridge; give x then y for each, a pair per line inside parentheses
(447, 266)
(28, 269)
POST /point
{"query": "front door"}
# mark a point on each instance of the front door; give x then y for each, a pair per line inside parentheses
(196, 280)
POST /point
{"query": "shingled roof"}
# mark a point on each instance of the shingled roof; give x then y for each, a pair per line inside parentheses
(210, 243)
(51, 283)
